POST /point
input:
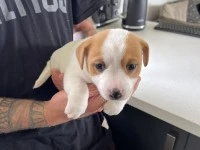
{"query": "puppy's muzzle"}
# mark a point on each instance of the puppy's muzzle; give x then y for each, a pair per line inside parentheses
(115, 94)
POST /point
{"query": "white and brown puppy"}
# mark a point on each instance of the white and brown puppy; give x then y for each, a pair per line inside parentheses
(111, 59)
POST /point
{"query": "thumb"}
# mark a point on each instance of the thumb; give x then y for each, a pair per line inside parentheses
(136, 84)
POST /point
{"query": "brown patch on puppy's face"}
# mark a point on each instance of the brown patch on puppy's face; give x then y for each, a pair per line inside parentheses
(132, 59)
(91, 51)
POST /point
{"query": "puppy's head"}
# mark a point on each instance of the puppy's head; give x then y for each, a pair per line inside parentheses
(114, 59)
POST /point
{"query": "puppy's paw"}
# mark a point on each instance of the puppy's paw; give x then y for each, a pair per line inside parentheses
(75, 110)
(112, 108)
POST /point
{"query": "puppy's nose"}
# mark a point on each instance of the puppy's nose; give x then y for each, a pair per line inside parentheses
(115, 94)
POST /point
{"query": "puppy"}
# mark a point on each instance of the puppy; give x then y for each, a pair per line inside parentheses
(111, 59)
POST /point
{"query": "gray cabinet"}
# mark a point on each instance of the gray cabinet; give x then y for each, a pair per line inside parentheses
(193, 143)
(133, 129)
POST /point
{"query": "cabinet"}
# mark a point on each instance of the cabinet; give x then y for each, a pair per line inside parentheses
(193, 143)
(135, 130)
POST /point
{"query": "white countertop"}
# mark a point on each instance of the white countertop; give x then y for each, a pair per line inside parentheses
(170, 86)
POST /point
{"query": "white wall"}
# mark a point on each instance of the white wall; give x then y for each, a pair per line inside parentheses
(154, 7)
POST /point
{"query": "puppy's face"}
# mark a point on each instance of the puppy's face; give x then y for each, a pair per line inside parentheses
(114, 59)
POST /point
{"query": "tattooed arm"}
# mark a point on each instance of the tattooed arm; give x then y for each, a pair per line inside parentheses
(21, 114)
(18, 115)
(24, 114)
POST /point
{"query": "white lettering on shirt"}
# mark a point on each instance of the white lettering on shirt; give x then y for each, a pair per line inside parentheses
(46, 5)
(50, 8)
(8, 15)
(63, 6)
(36, 6)
(20, 7)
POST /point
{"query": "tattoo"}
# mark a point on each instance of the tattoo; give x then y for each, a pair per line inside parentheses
(5, 106)
(18, 115)
(37, 118)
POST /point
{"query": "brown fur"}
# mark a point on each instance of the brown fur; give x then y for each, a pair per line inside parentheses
(91, 51)
(135, 47)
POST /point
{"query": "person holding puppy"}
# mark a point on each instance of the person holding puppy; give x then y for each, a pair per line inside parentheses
(34, 119)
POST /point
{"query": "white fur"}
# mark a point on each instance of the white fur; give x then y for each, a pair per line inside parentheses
(75, 79)
(114, 77)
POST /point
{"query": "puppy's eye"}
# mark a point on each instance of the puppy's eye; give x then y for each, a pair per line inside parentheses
(100, 67)
(131, 67)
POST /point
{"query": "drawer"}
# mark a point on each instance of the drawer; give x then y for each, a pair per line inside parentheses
(193, 143)
(136, 130)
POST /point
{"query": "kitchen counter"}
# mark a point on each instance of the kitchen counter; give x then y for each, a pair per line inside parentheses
(170, 86)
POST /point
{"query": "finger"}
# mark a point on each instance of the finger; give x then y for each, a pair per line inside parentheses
(61, 76)
(57, 78)
(136, 84)
(95, 104)
(55, 72)
(56, 82)
(100, 109)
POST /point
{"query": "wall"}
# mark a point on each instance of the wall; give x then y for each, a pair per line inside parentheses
(154, 7)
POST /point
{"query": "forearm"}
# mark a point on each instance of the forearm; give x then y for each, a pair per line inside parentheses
(22, 114)
(18, 115)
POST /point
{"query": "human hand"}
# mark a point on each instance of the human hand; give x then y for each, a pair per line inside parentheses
(136, 84)
(54, 109)
(56, 106)
(87, 27)
(57, 78)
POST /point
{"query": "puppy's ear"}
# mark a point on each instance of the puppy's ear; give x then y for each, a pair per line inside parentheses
(145, 48)
(82, 51)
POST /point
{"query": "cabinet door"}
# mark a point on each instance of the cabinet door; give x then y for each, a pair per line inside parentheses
(193, 143)
(135, 130)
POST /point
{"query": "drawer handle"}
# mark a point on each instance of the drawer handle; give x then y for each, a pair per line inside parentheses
(170, 142)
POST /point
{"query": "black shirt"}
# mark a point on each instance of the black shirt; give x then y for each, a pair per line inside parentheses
(30, 31)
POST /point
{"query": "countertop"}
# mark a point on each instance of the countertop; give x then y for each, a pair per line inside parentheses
(170, 86)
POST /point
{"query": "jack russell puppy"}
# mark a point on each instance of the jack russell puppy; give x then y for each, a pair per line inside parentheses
(111, 59)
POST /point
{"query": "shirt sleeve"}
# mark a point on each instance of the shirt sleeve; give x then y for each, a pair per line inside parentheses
(82, 9)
